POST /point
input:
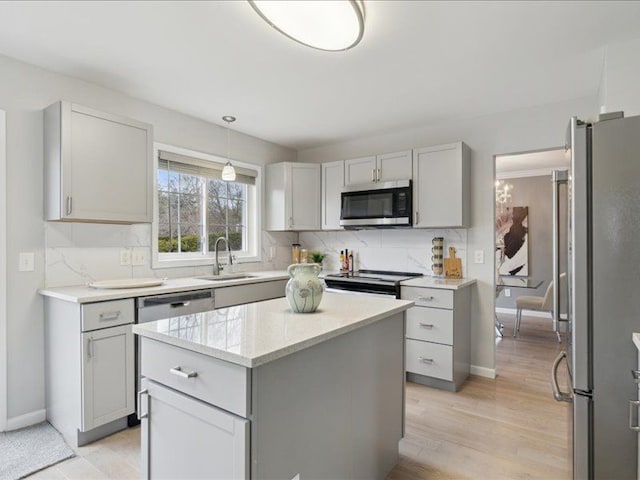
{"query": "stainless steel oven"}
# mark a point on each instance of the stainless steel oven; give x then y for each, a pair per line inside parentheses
(376, 205)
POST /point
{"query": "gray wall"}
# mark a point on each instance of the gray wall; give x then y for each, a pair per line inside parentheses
(535, 193)
(24, 91)
(524, 130)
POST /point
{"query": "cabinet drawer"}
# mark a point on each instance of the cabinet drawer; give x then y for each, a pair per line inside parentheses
(253, 292)
(107, 314)
(429, 359)
(223, 384)
(428, 297)
(430, 324)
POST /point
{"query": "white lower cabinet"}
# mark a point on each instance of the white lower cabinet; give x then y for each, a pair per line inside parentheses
(107, 375)
(183, 437)
(437, 334)
(89, 367)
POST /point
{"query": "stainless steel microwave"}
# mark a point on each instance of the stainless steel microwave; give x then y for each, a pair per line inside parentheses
(376, 205)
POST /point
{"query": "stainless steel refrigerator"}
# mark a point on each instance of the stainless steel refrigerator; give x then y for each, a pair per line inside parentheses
(603, 272)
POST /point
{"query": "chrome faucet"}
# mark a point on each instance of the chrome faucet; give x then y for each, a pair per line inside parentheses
(216, 266)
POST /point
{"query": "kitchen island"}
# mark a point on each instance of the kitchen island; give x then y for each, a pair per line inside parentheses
(256, 391)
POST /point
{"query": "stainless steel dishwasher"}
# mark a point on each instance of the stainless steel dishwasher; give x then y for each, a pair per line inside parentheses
(158, 307)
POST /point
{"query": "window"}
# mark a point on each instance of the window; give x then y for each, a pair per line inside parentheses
(195, 207)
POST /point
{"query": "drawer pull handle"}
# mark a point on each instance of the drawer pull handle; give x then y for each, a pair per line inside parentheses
(181, 373)
(105, 316)
(426, 360)
(636, 375)
(427, 325)
(426, 299)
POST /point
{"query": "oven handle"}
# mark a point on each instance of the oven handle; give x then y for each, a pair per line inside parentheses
(371, 294)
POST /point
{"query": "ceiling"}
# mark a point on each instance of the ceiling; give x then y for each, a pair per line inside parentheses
(419, 62)
(546, 160)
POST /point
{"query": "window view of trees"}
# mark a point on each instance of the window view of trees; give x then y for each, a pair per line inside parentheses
(193, 211)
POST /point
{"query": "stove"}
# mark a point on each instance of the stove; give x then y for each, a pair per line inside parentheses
(372, 282)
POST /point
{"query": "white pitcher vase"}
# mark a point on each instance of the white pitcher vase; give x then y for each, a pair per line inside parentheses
(304, 289)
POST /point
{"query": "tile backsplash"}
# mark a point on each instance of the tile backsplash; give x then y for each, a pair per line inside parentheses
(403, 250)
(79, 253)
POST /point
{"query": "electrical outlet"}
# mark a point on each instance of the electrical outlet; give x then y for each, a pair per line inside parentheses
(138, 258)
(125, 256)
(26, 261)
(507, 292)
(478, 256)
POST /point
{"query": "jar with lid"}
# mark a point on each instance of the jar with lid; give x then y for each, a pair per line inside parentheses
(295, 253)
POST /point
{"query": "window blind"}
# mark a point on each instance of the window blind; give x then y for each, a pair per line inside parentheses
(176, 162)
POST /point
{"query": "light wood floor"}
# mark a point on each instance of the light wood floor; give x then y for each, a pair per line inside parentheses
(507, 428)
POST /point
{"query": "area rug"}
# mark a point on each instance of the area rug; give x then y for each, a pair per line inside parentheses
(25, 451)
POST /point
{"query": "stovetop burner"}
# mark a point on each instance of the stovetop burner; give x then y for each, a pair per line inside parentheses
(374, 276)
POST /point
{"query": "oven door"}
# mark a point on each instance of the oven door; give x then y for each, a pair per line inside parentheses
(382, 204)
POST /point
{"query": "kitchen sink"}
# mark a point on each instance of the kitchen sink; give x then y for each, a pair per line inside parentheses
(222, 278)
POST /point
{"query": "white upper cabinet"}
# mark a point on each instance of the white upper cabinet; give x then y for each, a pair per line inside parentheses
(441, 186)
(380, 168)
(394, 166)
(332, 183)
(293, 196)
(98, 166)
(360, 170)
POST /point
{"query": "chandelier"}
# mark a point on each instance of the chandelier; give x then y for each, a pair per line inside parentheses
(503, 192)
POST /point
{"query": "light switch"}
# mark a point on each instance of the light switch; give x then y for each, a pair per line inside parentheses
(26, 262)
(507, 292)
(478, 256)
(125, 256)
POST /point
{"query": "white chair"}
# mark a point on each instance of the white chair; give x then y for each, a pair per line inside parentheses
(538, 304)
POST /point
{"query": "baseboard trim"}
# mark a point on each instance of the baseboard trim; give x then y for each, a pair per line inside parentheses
(26, 420)
(483, 371)
(529, 313)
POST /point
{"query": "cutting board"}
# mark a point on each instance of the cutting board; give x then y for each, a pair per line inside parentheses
(452, 265)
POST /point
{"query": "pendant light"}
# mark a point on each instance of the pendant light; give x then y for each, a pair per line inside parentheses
(228, 172)
(333, 25)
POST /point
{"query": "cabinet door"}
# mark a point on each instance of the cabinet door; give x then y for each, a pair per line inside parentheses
(107, 376)
(303, 187)
(106, 167)
(332, 183)
(360, 170)
(441, 186)
(185, 438)
(394, 166)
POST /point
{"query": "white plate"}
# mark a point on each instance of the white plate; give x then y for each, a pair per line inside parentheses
(128, 283)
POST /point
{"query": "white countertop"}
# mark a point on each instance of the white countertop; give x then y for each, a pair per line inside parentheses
(257, 333)
(636, 340)
(86, 294)
(444, 283)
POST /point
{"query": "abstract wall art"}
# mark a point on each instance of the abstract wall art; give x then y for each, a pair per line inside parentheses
(512, 232)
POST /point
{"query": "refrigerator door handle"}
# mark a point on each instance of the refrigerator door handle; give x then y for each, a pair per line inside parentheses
(633, 415)
(558, 395)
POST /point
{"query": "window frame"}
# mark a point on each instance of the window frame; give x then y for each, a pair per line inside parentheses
(194, 259)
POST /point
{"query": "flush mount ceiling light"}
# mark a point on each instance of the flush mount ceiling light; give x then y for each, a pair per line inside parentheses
(331, 25)
(228, 172)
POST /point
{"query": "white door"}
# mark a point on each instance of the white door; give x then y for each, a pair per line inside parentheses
(394, 166)
(304, 197)
(185, 438)
(332, 183)
(360, 170)
(107, 376)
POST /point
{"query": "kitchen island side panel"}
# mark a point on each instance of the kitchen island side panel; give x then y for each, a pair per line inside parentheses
(334, 410)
